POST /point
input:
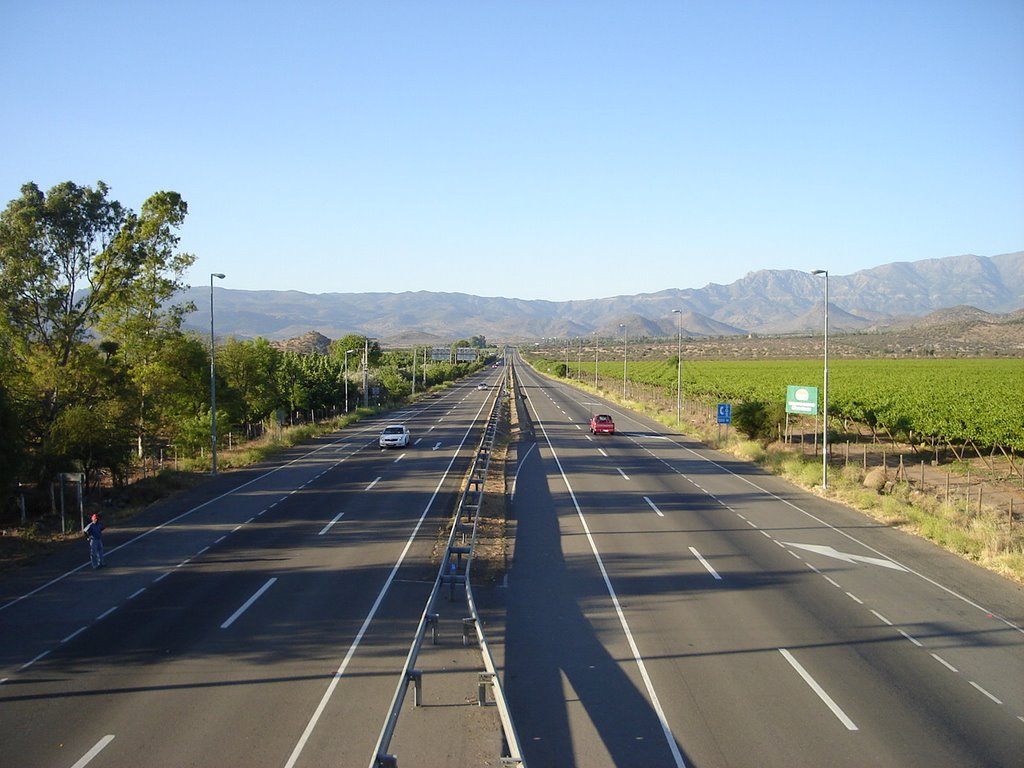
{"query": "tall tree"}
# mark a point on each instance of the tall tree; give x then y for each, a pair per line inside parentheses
(249, 368)
(359, 344)
(141, 318)
(71, 261)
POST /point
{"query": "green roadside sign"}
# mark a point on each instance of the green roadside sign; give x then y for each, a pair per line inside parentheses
(802, 400)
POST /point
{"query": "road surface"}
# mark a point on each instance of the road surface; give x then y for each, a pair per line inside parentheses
(668, 605)
(261, 621)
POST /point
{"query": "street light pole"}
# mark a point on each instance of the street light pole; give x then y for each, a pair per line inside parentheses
(824, 409)
(366, 372)
(213, 381)
(679, 365)
(625, 346)
(347, 353)
(597, 352)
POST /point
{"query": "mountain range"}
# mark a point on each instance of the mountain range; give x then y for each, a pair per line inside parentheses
(765, 302)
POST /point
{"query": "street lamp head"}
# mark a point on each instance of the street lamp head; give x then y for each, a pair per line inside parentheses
(218, 275)
(820, 272)
(677, 311)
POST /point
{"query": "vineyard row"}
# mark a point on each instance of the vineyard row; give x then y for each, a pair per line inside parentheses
(978, 402)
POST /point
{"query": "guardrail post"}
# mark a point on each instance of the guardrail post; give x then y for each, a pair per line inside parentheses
(468, 625)
(485, 679)
(432, 620)
(416, 678)
(387, 761)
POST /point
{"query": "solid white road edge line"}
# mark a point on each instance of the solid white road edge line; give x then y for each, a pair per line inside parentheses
(28, 664)
(75, 634)
(850, 725)
(248, 603)
(519, 466)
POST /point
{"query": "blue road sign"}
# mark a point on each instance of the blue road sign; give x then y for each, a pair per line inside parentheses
(725, 413)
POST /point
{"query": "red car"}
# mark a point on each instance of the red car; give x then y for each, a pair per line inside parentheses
(602, 423)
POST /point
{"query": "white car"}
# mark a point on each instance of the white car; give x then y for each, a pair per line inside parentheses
(394, 436)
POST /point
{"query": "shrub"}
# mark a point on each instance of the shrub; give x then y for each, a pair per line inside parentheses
(758, 420)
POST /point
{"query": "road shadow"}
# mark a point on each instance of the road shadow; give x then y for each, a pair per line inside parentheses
(559, 670)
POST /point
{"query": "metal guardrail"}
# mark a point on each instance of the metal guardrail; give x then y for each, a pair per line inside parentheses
(455, 571)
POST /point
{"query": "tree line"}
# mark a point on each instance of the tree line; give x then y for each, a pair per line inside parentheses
(96, 367)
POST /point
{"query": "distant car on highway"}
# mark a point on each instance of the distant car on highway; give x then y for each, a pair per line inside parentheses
(602, 424)
(394, 436)
(482, 386)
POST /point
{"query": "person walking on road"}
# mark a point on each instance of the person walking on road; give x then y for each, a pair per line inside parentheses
(94, 533)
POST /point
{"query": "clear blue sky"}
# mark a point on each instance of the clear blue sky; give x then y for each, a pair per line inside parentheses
(552, 150)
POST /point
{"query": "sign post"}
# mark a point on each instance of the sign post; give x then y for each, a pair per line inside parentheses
(802, 400)
(724, 417)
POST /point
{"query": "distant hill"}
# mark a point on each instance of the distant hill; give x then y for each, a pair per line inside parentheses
(307, 343)
(762, 302)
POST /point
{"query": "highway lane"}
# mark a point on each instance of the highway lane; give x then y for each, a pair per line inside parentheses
(727, 631)
(266, 626)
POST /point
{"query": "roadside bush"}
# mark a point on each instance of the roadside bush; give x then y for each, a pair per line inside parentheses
(758, 420)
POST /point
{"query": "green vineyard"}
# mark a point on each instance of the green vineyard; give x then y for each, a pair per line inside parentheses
(955, 401)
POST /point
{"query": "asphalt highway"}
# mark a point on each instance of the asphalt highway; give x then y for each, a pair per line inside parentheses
(668, 605)
(260, 621)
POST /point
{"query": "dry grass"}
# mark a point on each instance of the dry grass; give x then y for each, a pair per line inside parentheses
(490, 554)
